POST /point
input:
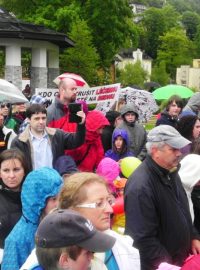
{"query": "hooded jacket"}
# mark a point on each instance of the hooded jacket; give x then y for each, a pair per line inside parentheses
(193, 104)
(88, 156)
(110, 170)
(111, 153)
(38, 186)
(136, 132)
(190, 176)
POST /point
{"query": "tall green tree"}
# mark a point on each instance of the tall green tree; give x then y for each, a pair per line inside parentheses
(159, 74)
(133, 74)
(156, 22)
(109, 22)
(191, 21)
(175, 50)
(82, 58)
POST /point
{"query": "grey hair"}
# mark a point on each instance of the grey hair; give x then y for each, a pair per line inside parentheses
(150, 145)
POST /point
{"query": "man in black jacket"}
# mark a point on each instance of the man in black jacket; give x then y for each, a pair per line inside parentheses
(42, 145)
(156, 206)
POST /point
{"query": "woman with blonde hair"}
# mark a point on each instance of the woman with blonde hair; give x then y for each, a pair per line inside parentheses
(88, 194)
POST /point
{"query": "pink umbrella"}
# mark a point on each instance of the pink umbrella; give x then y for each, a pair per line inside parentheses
(77, 78)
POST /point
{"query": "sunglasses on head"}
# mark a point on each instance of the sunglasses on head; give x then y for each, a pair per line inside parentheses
(3, 105)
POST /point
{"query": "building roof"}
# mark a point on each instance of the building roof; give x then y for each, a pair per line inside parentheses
(11, 27)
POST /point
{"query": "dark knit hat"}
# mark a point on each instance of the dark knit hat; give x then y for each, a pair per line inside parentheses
(65, 165)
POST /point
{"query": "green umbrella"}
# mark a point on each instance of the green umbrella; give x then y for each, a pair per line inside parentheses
(167, 91)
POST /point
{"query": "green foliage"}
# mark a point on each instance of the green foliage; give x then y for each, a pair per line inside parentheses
(82, 58)
(156, 22)
(175, 50)
(197, 41)
(190, 20)
(109, 22)
(159, 74)
(133, 74)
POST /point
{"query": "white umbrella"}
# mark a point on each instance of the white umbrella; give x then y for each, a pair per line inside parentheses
(77, 78)
(10, 93)
(143, 100)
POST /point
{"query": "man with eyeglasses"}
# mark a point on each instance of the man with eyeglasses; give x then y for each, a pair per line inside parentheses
(57, 112)
(6, 134)
(156, 206)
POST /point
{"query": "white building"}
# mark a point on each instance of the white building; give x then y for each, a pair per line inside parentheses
(128, 56)
(189, 76)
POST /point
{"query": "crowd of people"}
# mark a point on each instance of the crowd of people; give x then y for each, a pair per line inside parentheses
(66, 202)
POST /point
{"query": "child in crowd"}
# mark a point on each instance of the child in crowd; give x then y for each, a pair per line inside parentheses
(110, 170)
(120, 145)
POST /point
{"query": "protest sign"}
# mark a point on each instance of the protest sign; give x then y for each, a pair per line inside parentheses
(104, 96)
(47, 93)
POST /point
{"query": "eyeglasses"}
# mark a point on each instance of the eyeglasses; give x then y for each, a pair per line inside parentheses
(3, 105)
(98, 205)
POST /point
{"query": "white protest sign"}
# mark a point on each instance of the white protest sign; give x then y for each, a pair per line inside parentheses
(104, 96)
(47, 93)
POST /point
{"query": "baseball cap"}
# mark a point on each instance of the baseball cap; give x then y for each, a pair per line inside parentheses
(37, 99)
(169, 135)
(63, 228)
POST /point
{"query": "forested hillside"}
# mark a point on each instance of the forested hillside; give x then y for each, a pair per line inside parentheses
(168, 32)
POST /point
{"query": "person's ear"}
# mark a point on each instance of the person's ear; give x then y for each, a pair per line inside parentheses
(64, 261)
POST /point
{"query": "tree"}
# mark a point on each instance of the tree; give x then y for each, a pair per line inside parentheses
(175, 50)
(159, 74)
(156, 22)
(133, 74)
(190, 20)
(109, 22)
(82, 58)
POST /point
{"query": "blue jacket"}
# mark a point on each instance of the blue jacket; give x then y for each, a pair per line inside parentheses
(38, 186)
(111, 153)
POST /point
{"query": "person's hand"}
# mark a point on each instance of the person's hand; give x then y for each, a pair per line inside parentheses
(82, 115)
(195, 246)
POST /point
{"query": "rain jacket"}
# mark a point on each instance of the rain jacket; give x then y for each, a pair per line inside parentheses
(157, 215)
(110, 170)
(58, 117)
(190, 176)
(59, 141)
(38, 186)
(166, 119)
(88, 156)
(193, 104)
(115, 155)
(136, 132)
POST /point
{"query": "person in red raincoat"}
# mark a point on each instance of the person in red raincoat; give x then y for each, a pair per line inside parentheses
(88, 156)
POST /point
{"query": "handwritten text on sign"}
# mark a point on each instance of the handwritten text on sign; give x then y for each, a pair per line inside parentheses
(98, 94)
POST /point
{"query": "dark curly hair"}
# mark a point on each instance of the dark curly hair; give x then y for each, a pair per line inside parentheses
(185, 126)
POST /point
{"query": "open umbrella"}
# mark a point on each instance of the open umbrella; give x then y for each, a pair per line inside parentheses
(77, 78)
(143, 100)
(150, 86)
(10, 93)
(167, 91)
